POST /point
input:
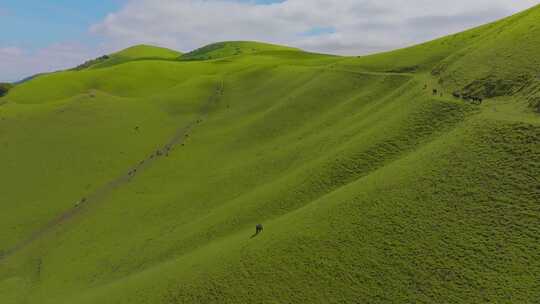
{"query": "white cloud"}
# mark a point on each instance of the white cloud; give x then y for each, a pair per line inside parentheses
(16, 63)
(361, 26)
(11, 52)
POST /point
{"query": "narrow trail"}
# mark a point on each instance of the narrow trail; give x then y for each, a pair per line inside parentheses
(178, 139)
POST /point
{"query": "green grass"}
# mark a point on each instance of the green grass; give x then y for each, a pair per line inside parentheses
(232, 48)
(138, 52)
(371, 189)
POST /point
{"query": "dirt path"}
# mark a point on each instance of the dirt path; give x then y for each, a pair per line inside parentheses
(104, 191)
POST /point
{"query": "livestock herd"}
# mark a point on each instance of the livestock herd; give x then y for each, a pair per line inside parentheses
(473, 99)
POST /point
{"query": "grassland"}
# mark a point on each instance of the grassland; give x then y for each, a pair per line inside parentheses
(232, 48)
(141, 181)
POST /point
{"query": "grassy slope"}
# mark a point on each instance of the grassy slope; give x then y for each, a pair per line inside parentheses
(370, 188)
(497, 59)
(138, 52)
(232, 48)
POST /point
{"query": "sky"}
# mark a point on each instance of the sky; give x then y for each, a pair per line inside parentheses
(47, 35)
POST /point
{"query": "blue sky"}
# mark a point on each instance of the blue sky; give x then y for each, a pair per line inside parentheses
(38, 23)
(47, 35)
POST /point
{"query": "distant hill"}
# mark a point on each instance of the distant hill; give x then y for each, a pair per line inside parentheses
(232, 48)
(139, 52)
(410, 176)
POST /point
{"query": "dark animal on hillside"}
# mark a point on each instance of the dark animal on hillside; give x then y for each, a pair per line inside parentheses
(435, 91)
(478, 100)
(456, 95)
(258, 228)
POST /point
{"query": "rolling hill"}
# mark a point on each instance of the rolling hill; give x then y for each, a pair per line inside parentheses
(226, 49)
(378, 179)
(138, 52)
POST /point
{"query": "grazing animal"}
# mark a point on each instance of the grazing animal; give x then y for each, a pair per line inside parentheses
(258, 228)
(478, 100)
(435, 91)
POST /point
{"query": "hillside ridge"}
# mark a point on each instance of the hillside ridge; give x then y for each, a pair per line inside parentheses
(232, 48)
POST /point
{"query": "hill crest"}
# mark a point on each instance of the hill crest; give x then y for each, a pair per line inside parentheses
(233, 48)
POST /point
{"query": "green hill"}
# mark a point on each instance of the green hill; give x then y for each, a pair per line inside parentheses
(232, 48)
(498, 59)
(142, 182)
(138, 52)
